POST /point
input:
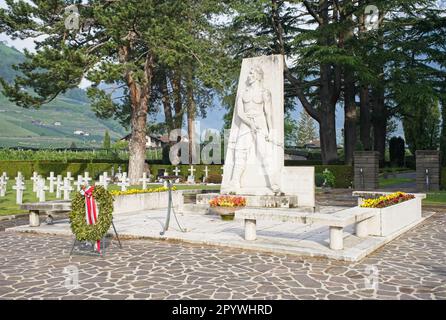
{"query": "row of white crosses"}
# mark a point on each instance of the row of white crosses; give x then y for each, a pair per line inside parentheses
(63, 185)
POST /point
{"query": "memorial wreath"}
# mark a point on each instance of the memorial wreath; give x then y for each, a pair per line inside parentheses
(91, 214)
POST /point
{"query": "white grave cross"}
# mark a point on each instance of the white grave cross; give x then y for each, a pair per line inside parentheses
(34, 179)
(51, 179)
(59, 185)
(66, 188)
(124, 182)
(105, 180)
(5, 177)
(86, 179)
(79, 183)
(19, 187)
(41, 188)
(3, 185)
(176, 171)
(144, 180)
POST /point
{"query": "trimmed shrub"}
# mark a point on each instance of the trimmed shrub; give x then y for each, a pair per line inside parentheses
(12, 167)
(343, 174)
(411, 162)
(45, 167)
(397, 151)
(319, 179)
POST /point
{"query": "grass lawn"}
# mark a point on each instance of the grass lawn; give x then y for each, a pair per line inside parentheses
(8, 204)
(392, 181)
(438, 197)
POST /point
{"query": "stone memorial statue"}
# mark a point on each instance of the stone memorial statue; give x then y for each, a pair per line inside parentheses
(255, 154)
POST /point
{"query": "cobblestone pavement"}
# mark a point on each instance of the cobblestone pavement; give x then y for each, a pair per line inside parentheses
(37, 267)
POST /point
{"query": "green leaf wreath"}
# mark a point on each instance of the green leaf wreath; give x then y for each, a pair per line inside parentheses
(79, 226)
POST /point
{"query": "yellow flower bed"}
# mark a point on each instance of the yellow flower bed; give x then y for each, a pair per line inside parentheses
(387, 201)
(140, 191)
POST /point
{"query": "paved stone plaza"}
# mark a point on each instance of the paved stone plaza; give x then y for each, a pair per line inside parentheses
(34, 267)
(304, 240)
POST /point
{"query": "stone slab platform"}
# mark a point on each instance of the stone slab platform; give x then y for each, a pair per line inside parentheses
(273, 236)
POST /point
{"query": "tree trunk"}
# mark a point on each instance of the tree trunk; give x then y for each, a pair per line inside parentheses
(327, 129)
(178, 104)
(364, 106)
(443, 131)
(350, 117)
(191, 112)
(350, 114)
(137, 145)
(380, 114)
(379, 123)
(139, 97)
(365, 119)
(166, 102)
(327, 133)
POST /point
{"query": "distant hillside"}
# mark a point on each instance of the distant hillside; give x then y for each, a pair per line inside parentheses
(9, 56)
(53, 125)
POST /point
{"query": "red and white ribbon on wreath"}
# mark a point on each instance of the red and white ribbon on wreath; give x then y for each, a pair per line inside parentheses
(91, 209)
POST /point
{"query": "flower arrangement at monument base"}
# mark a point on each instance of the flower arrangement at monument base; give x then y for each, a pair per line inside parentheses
(387, 200)
(225, 206)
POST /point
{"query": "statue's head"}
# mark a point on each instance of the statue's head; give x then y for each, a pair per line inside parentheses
(255, 74)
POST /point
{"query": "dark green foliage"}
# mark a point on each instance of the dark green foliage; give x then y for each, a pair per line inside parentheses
(45, 167)
(12, 167)
(319, 179)
(107, 141)
(343, 174)
(329, 178)
(422, 124)
(78, 223)
(397, 151)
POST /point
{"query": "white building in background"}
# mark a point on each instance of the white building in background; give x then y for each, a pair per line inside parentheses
(81, 133)
(152, 141)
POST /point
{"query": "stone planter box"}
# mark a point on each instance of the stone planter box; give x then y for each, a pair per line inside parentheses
(146, 201)
(391, 219)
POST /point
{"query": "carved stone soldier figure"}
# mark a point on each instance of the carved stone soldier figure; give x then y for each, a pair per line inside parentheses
(254, 132)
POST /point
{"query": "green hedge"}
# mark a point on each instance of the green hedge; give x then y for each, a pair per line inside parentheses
(344, 175)
(12, 167)
(45, 167)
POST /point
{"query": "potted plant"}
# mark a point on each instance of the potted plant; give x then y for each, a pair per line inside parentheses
(225, 206)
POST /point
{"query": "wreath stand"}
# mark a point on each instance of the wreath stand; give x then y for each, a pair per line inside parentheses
(170, 207)
(102, 253)
(101, 227)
